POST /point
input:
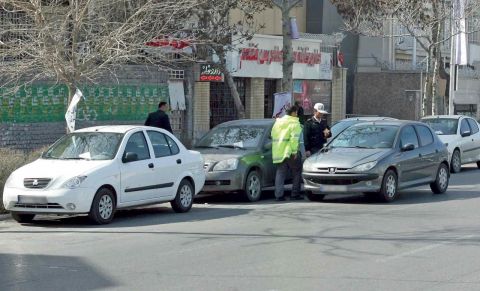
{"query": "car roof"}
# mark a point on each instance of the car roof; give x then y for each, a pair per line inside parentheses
(252, 122)
(444, 116)
(368, 118)
(390, 122)
(112, 128)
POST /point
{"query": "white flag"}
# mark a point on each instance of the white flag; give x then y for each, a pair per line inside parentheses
(282, 102)
(460, 32)
(71, 114)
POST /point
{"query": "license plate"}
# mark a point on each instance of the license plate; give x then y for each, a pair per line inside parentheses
(32, 199)
(331, 188)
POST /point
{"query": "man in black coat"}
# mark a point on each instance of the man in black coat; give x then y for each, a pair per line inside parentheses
(159, 118)
(316, 131)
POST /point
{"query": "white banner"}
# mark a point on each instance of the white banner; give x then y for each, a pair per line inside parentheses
(71, 114)
(262, 57)
(177, 95)
(282, 102)
(460, 32)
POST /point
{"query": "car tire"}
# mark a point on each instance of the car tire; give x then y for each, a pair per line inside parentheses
(441, 182)
(478, 165)
(315, 197)
(389, 189)
(103, 207)
(253, 186)
(456, 162)
(184, 199)
(23, 217)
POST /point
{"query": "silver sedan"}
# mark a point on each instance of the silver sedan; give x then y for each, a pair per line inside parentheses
(378, 158)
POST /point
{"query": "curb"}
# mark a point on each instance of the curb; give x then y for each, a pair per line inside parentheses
(4, 217)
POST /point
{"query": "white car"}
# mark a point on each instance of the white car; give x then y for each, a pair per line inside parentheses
(461, 136)
(98, 170)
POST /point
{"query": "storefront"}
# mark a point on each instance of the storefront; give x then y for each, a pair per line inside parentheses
(312, 70)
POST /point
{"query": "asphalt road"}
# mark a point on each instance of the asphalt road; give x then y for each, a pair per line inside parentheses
(420, 242)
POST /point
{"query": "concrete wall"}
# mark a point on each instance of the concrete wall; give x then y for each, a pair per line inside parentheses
(384, 94)
(272, 19)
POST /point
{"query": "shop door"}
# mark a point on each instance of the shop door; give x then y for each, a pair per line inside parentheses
(270, 89)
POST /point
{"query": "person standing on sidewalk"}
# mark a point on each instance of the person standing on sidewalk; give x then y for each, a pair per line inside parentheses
(286, 153)
(160, 118)
(317, 131)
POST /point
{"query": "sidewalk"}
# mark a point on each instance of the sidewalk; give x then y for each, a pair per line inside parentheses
(4, 216)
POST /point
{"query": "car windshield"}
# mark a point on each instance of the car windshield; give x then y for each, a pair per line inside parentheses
(366, 136)
(233, 136)
(443, 126)
(85, 146)
(341, 125)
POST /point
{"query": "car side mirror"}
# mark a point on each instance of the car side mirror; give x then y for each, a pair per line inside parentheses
(408, 147)
(130, 157)
(465, 133)
(268, 146)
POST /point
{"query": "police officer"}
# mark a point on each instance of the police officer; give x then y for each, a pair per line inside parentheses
(316, 130)
(286, 153)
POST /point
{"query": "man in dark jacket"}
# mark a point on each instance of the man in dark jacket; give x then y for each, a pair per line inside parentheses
(316, 131)
(159, 118)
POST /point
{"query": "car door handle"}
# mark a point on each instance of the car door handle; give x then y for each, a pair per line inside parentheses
(179, 161)
(151, 166)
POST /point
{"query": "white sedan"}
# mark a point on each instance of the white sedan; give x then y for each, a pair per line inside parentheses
(98, 170)
(461, 135)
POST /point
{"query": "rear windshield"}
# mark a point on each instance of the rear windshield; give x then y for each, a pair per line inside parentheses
(442, 126)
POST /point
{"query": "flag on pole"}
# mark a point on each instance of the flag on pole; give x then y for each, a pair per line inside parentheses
(294, 28)
(71, 114)
(460, 32)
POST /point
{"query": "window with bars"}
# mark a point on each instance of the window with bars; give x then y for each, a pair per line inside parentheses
(222, 106)
(473, 26)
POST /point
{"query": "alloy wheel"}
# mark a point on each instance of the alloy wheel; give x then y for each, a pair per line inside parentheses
(391, 186)
(443, 178)
(105, 207)
(186, 196)
(254, 186)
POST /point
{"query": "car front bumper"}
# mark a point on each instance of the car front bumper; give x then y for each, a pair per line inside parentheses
(320, 183)
(223, 181)
(55, 201)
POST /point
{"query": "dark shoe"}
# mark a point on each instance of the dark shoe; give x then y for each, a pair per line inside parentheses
(296, 197)
(280, 199)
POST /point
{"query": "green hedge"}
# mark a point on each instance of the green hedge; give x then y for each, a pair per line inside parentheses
(11, 160)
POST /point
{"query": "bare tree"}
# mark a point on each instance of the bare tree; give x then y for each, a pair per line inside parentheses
(428, 22)
(215, 31)
(286, 7)
(80, 41)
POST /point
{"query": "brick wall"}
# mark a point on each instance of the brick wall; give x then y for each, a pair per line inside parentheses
(339, 94)
(384, 94)
(255, 98)
(201, 109)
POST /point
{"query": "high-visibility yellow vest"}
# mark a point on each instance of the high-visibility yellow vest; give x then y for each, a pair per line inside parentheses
(285, 138)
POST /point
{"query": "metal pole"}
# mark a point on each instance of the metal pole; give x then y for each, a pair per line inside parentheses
(414, 54)
(451, 89)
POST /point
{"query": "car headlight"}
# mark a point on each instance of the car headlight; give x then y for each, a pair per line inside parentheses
(365, 167)
(74, 182)
(308, 165)
(9, 183)
(226, 165)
